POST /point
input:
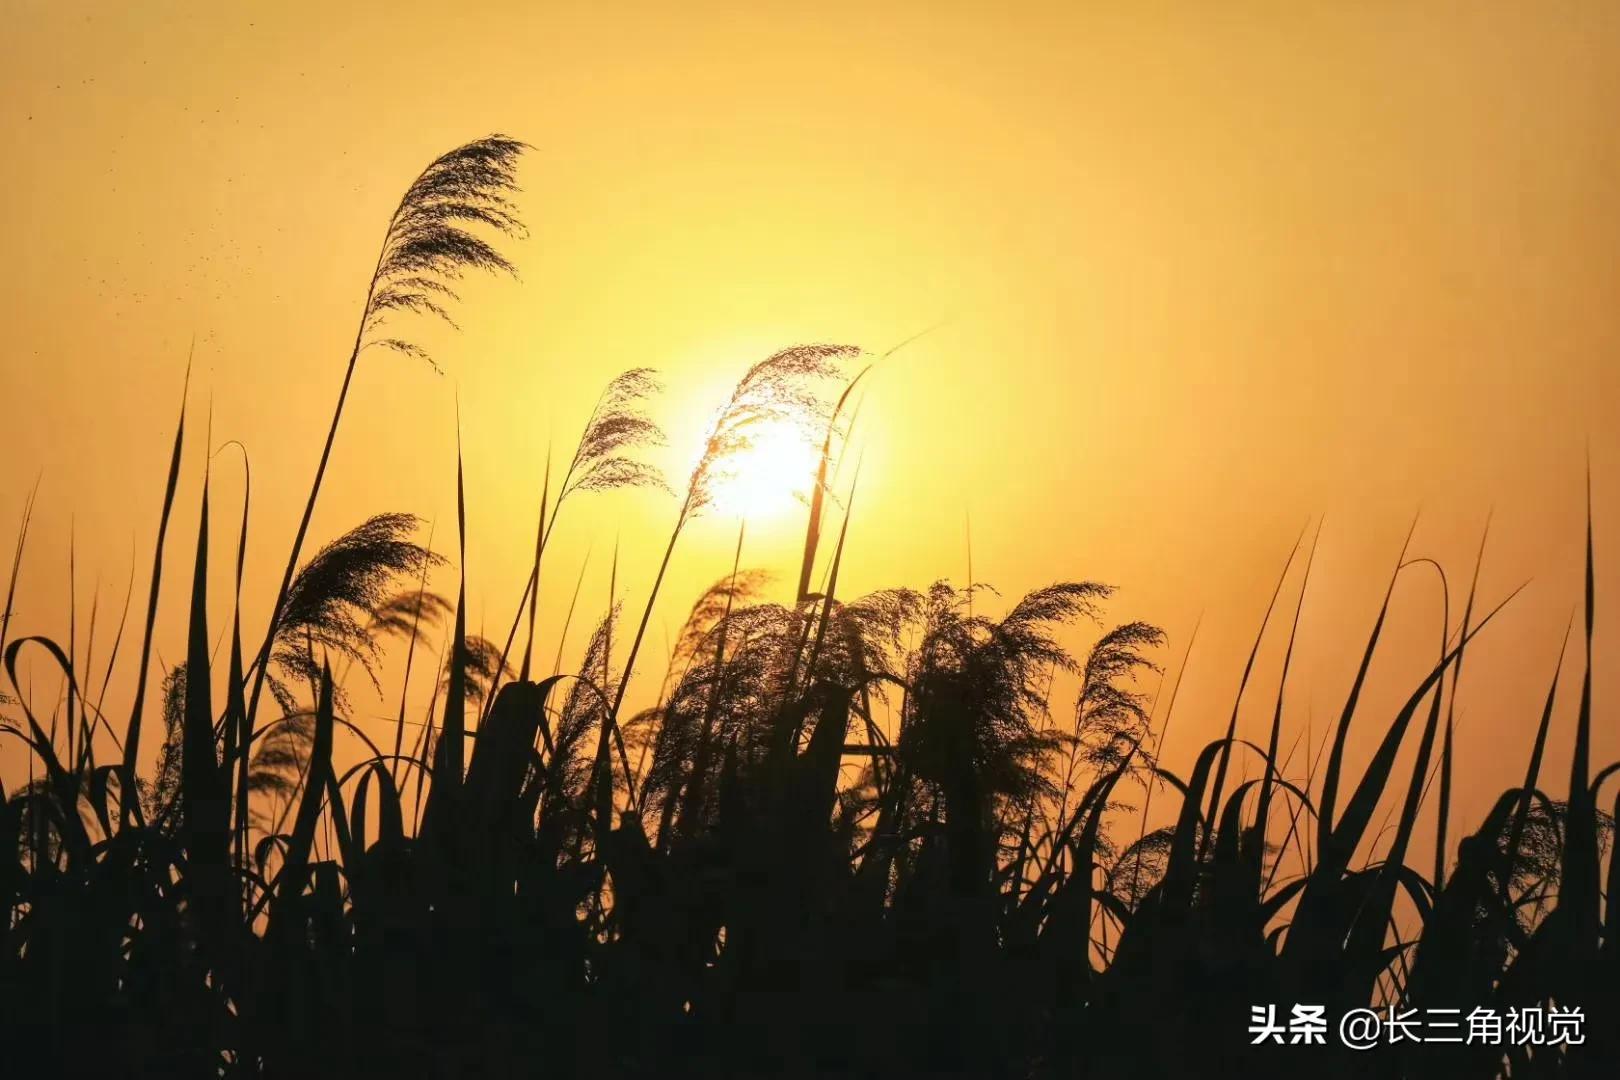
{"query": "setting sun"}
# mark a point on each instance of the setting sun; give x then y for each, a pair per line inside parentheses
(769, 478)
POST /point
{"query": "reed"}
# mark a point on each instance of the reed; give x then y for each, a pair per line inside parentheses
(858, 837)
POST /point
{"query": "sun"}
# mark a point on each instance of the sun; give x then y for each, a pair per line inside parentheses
(771, 478)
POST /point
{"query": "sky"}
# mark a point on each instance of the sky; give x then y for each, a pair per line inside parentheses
(1195, 281)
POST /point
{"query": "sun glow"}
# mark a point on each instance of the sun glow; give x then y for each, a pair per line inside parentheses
(772, 477)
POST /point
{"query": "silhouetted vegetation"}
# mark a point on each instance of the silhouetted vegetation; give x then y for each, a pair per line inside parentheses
(853, 836)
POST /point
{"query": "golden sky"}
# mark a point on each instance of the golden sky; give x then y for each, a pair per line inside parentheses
(1204, 277)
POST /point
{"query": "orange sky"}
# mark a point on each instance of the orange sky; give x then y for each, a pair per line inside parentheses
(1204, 277)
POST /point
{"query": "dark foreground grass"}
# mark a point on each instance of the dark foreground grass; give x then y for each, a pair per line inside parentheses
(849, 839)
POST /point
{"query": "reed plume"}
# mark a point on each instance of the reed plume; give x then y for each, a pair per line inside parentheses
(426, 249)
(617, 427)
(782, 388)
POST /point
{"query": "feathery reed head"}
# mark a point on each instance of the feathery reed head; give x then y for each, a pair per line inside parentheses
(784, 388)
(408, 610)
(617, 426)
(429, 245)
(481, 662)
(343, 593)
(734, 591)
(1111, 715)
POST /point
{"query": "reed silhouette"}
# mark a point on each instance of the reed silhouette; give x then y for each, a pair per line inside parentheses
(753, 876)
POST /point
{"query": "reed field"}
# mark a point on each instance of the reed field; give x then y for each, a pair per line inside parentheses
(849, 836)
